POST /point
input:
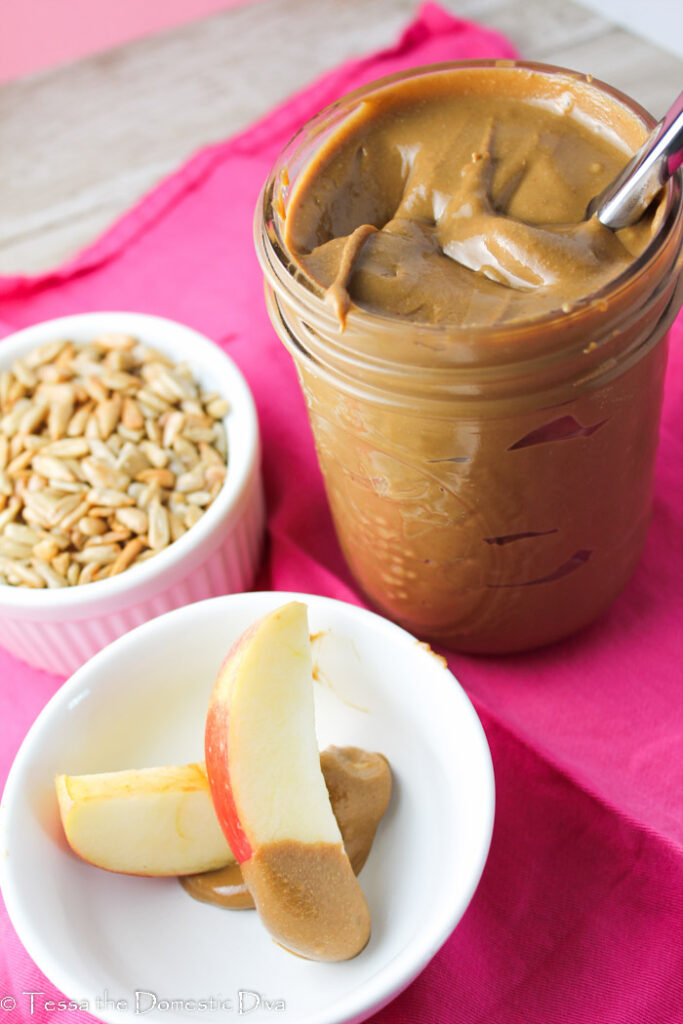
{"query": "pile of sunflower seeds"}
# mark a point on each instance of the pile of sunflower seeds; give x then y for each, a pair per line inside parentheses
(109, 452)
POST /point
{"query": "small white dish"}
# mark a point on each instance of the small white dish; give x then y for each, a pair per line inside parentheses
(59, 629)
(116, 943)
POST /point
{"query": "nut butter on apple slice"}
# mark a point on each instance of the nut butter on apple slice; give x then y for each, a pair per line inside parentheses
(270, 796)
(359, 787)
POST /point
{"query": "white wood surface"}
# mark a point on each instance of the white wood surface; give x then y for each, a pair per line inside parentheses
(660, 21)
(79, 144)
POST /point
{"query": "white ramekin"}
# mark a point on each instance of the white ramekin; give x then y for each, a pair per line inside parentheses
(59, 629)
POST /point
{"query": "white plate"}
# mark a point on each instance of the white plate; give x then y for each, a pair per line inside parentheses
(117, 943)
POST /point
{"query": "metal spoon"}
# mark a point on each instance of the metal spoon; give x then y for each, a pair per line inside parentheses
(626, 198)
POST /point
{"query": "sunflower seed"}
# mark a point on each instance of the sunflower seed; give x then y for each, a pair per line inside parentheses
(219, 408)
(191, 481)
(128, 555)
(109, 497)
(92, 527)
(48, 573)
(164, 477)
(21, 534)
(134, 519)
(50, 468)
(47, 549)
(103, 554)
(11, 549)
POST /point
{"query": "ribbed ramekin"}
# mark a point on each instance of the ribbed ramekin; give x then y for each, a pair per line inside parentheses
(59, 629)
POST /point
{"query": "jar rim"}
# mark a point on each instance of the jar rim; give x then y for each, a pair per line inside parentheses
(269, 221)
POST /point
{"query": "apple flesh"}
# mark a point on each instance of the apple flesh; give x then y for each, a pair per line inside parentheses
(156, 821)
(270, 796)
(121, 821)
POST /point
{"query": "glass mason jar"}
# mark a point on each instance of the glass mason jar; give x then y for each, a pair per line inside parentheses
(491, 487)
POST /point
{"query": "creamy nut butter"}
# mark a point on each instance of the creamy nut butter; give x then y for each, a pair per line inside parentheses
(359, 785)
(482, 364)
(308, 899)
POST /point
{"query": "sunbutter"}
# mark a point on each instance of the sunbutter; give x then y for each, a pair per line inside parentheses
(461, 199)
(359, 785)
(309, 900)
(482, 366)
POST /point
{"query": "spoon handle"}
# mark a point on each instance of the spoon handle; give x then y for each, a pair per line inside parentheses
(628, 196)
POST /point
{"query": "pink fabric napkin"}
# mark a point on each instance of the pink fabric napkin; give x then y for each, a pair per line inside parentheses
(579, 915)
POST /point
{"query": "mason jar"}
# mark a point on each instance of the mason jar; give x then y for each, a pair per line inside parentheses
(491, 486)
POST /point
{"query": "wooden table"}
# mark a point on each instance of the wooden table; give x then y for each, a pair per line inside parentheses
(81, 143)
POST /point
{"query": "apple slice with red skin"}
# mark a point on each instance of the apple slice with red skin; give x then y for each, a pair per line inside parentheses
(270, 796)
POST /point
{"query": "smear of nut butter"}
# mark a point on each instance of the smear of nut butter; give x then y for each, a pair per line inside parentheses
(359, 784)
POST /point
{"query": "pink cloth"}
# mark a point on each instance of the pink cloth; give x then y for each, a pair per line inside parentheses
(579, 914)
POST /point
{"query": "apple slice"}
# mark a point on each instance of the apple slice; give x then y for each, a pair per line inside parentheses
(95, 808)
(157, 821)
(270, 796)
